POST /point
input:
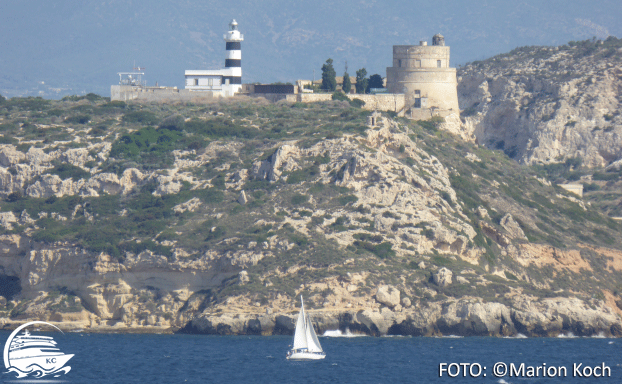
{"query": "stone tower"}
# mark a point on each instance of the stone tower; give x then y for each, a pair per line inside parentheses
(423, 74)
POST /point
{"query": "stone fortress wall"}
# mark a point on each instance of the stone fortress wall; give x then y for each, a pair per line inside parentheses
(158, 94)
(380, 102)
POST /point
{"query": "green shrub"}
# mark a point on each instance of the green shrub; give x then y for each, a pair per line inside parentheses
(357, 103)
(114, 104)
(146, 140)
(345, 200)
(219, 127)
(140, 117)
(27, 103)
(340, 96)
(8, 140)
(173, 123)
(93, 97)
(66, 171)
(78, 119)
(298, 199)
(383, 250)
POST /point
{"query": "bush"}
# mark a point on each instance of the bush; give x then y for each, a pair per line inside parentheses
(344, 200)
(93, 97)
(383, 250)
(357, 103)
(78, 119)
(173, 123)
(114, 104)
(219, 127)
(340, 96)
(141, 117)
(146, 140)
(66, 171)
(298, 199)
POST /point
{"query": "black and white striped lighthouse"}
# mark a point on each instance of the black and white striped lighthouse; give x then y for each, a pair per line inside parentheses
(233, 62)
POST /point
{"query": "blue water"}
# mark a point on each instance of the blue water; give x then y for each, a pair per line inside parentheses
(119, 358)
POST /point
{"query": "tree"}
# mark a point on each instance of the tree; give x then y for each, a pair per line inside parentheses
(375, 81)
(361, 80)
(347, 84)
(329, 81)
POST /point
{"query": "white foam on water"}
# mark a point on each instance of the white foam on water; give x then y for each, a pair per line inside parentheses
(338, 333)
(449, 337)
(568, 335)
(517, 336)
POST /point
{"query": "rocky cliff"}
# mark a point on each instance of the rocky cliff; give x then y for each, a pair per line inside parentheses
(547, 104)
(215, 218)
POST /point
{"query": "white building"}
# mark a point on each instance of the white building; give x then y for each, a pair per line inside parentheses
(224, 82)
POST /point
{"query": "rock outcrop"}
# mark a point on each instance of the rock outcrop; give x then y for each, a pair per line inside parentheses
(546, 104)
(467, 317)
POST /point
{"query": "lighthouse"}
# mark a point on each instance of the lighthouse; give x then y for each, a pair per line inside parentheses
(221, 82)
(233, 62)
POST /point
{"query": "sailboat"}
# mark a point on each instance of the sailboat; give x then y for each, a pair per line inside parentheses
(306, 346)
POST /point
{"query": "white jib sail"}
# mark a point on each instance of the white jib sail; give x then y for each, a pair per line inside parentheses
(313, 344)
(300, 337)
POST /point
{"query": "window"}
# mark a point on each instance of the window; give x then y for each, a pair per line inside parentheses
(210, 82)
(438, 63)
(417, 93)
(196, 81)
(399, 63)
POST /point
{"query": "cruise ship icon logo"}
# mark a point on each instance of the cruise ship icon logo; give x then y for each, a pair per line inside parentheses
(33, 356)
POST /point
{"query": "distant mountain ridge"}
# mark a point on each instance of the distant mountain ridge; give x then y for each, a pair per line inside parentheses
(56, 49)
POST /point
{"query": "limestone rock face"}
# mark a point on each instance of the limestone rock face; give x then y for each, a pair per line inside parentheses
(281, 160)
(388, 295)
(466, 316)
(545, 106)
(512, 227)
(442, 278)
(242, 199)
(7, 219)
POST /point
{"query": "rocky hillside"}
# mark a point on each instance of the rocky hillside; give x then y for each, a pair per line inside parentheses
(548, 104)
(214, 218)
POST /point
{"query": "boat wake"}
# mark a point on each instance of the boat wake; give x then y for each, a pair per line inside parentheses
(338, 333)
(36, 371)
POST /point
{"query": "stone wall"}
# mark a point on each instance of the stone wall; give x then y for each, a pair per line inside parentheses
(159, 94)
(381, 102)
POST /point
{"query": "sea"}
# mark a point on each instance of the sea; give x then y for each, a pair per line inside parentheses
(182, 358)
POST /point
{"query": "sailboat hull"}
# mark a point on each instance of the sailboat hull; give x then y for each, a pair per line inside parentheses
(306, 356)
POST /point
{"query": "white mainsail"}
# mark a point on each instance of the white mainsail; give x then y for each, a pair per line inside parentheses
(300, 337)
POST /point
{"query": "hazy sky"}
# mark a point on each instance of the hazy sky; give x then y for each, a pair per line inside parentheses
(80, 45)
